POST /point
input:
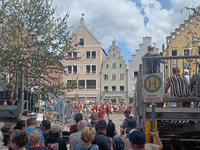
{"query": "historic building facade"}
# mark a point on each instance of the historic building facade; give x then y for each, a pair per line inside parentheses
(84, 66)
(114, 77)
(134, 66)
(184, 41)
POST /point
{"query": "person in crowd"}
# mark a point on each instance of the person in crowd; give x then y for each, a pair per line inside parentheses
(101, 139)
(195, 80)
(87, 136)
(1, 125)
(130, 127)
(75, 138)
(55, 142)
(118, 144)
(35, 138)
(21, 125)
(111, 131)
(179, 86)
(45, 128)
(31, 126)
(137, 140)
(7, 142)
(176, 144)
(94, 118)
(186, 74)
(78, 117)
(127, 114)
(18, 140)
(69, 111)
(151, 66)
(2, 147)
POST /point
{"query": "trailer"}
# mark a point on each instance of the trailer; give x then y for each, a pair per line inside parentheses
(168, 122)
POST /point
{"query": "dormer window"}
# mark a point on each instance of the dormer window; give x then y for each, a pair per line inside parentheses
(178, 32)
(187, 24)
(173, 36)
(182, 28)
(169, 41)
(81, 41)
(191, 20)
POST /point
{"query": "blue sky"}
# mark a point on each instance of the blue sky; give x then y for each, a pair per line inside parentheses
(127, 20)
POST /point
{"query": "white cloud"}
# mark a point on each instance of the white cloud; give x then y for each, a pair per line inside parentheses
(123, 19)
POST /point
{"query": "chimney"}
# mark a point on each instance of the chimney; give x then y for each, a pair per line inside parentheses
(163, 47)
(81, 21)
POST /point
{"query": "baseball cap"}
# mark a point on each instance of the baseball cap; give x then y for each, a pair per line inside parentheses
(186, 70)
(118, 144)
(127, 111)
(150, 46)
(101, 124)
(137, 137)
(1, 125)
(131, 123)
(56, 128)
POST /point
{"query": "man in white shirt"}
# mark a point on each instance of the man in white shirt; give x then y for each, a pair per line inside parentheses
(75, 138)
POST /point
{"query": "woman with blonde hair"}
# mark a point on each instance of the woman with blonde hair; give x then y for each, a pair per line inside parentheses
(87, 136)
(18, 140)
(35, 138)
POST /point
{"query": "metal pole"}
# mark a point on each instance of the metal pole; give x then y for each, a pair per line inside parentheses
(153, 117)
(21, 101)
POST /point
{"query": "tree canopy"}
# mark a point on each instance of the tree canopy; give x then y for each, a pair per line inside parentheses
(33, 41)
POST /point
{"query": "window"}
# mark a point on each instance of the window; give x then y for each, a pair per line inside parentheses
(107, 66)
(199, 50)
(106, 88)
(121, 88)
(81, 40)
(81, 84)
(113, 65)
(93, 68)
(173, 36)
(69, 55)
(74, 54)
(91, 84)
(178, 32)
(187, 24)
(105, 77)
(182, 28)
(113, 88)
(186, 52)
(72, 84)
(169, 40)
(174, 52)
(93, 54)
(87, 68)
(113, 55)
(135, 73)
(134, 85)
(113, 49)
(187, 66)
(113, 76)
(191, 20)
(120, 65)
(121, 77)
(88, 54)
(69, 69)
(74, 69)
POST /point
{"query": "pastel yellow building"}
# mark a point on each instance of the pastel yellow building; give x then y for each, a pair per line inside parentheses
(185, 41)
(84, 66)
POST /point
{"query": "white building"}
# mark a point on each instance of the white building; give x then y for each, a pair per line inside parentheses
(134, 65)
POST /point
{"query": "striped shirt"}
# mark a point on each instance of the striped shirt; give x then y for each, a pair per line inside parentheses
(178, 84)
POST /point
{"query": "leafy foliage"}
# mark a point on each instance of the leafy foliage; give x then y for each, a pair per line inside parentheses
(33, 41)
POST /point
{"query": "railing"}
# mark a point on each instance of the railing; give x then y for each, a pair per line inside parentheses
(143, 113)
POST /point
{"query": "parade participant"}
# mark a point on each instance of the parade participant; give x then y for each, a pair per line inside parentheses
(127, 115)
(75, 138)
(108, 111)
(101, 138)
(78, 117)
(101, 117)
(94, 118)
(103, 111)
(2, 143)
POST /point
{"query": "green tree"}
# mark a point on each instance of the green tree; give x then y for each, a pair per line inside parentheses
(33, 39)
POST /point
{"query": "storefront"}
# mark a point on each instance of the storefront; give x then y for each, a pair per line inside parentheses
(115, 97)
